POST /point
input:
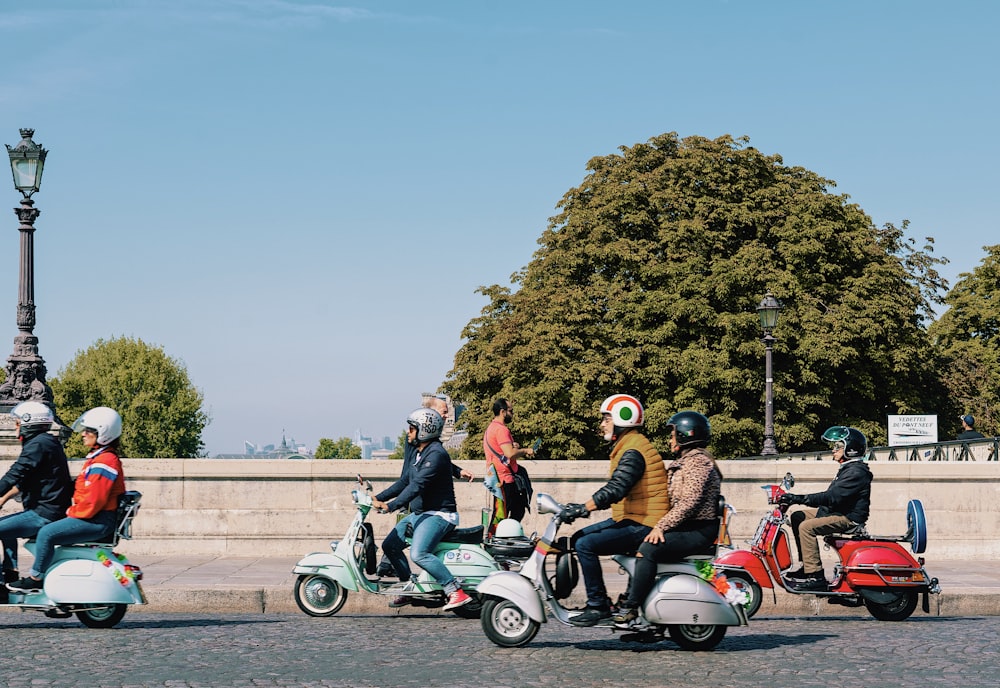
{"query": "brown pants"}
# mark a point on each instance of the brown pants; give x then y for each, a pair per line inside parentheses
(809, 528)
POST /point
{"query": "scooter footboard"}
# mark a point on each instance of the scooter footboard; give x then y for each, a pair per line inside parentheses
(514, 587)
(329, 565)
(685, 599)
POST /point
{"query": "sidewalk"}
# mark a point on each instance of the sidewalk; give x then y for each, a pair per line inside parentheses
(266, 585)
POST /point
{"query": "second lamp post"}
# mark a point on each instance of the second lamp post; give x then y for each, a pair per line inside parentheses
(767, 311)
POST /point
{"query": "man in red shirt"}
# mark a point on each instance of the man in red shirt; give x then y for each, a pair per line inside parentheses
(502, 453)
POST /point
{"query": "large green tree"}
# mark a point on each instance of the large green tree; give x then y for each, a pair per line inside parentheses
(968, 336)
(161, 410)
(337, 449)
(647, 281)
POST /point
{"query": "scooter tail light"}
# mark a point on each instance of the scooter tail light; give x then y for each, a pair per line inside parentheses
(133, 571)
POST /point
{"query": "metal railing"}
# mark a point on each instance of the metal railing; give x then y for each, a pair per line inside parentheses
(986, 449)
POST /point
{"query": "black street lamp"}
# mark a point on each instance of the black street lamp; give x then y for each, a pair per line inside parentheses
(767, 311)
(25, 368)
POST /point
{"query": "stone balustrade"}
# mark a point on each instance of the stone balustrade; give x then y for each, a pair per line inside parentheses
(286, 508)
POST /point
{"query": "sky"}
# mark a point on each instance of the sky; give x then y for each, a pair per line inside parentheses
(297, 200)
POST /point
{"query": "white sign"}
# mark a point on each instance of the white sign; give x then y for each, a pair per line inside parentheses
(906, 430)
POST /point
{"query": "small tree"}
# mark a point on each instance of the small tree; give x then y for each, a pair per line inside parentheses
(397, 453)
(160, 408)
(339, 449)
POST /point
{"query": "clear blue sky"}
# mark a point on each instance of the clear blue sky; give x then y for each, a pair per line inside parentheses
(298, 199)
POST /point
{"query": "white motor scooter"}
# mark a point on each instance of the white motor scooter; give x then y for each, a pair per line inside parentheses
(90, 580)
(681, 603)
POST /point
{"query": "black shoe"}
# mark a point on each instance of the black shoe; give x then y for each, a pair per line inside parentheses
(814, 583)
(591, 616)
(10, 575)
(25, 585)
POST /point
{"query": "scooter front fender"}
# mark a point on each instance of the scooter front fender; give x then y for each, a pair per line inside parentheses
(741, 559)
(329, 565)
(514, 587)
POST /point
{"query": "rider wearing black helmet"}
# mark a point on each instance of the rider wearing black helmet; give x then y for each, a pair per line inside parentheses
(691, 522)
(841, 507)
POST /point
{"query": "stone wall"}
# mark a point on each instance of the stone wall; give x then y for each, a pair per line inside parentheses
(291, 507)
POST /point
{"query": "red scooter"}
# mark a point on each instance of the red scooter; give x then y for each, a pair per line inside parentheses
(874, 570)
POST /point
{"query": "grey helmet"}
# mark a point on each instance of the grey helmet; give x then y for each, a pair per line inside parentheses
(33, 414)
(428, 424)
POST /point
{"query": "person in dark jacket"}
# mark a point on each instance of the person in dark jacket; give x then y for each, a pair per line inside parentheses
(439, 404)
(636, 492)
(430, 495)
(842, 506)
(40, 475)
(969, 431)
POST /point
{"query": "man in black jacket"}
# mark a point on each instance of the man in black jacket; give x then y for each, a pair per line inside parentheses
(430, 494)
(842, 506)
(40, 475)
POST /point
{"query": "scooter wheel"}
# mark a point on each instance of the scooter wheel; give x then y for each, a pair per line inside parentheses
(102, 617)
(696, 637)
(319, 595)
(506, 624)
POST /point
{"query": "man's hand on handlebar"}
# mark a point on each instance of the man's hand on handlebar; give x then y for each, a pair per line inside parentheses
(571, 512)
(380, 506)
(788, 498)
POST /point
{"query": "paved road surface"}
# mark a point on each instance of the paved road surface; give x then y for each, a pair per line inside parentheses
(265, 650)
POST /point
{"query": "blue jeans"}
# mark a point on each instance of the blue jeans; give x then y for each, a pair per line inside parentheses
(604, 538)
(428, 531)
(69, 531)
(23, 525)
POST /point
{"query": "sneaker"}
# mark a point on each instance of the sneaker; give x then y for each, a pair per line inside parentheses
(814, 583)
(457, 599)
(590, 616)
(10, 575)
(25, 585)
(625, 613)
(400, 601)
(796, 575)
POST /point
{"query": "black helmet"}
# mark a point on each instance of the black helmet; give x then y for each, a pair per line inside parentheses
(855, 442)
(693, 429)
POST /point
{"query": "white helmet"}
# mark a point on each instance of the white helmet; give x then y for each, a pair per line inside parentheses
(625, 410)
(428, 423)
(509, 528)
(104, 421)
(31, 414)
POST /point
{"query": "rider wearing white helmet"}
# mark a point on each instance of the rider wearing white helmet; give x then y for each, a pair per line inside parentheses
(100, 482)
(636, 492)
(40, 475)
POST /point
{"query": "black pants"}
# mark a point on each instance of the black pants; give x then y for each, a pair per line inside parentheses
(692, 538)
(514, 503)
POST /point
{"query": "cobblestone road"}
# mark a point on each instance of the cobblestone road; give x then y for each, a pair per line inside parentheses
(180, 650)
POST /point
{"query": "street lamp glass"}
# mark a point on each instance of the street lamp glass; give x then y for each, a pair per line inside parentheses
(767, 311)
(27, 160)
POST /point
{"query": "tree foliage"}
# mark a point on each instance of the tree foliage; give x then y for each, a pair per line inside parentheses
(161, 410)
(968, 336)
(337, 449)
(647, 281)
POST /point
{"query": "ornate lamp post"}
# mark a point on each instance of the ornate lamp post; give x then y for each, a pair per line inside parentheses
(767, 311)
(25, 368)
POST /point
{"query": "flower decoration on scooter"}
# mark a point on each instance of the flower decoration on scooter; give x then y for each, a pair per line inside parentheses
(718, 581)
(114, 562)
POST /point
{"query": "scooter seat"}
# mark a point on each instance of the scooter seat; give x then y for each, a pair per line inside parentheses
(467, 536)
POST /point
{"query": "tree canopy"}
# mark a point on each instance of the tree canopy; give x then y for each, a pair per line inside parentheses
(647, 281)
(968, 336)
(337, 449)
(161, 410)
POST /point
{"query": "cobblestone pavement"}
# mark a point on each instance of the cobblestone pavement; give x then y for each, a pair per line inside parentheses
(264, 650)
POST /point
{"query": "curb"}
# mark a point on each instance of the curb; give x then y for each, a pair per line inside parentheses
(280, 600)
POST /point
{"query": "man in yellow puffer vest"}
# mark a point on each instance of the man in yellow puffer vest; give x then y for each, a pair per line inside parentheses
(636, 491)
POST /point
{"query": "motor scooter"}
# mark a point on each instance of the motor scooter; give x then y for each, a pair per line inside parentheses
(324, 578)
(681, 603)
(89, 580)
(873, 570)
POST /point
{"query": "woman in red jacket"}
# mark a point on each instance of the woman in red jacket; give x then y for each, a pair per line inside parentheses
(92, 516)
